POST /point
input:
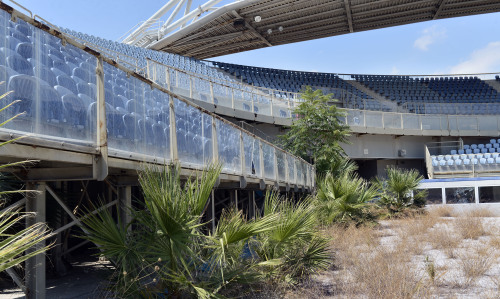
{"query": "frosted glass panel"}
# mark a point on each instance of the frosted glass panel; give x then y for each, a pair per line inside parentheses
(194, 134)
(51, 83)
(280, 156)
(252, 155)
(228, 139)
(268, 152)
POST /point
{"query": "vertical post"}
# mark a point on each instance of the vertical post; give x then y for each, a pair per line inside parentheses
(125, 204)
(190, 87)
(176, 78)
(232, 97)
(276, 172)
(253, 204)
(174, 154)
(212, 92)
(100, 169)
(443, 195)
(236, 198)
(215, 142)
(35, 266)
(167, 75)
(261, 153)
(476, 194)
(287, 178)
(242, 154)
(271, 103)
(213, 212)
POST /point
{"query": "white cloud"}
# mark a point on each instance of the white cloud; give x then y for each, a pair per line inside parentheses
(429, 36)
(394, 71)
(482, 60)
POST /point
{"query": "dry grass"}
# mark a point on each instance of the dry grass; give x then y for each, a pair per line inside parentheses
(446, 239)
(430, 256)
(469, 226)
(442, 211)
(476, 263)
(480, 212)
(384, 274)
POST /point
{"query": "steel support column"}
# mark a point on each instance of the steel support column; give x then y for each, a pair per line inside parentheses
(35, 266)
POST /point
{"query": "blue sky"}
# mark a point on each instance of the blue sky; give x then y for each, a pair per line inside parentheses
(451, 46)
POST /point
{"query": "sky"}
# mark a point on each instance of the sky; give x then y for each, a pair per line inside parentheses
(464, 45)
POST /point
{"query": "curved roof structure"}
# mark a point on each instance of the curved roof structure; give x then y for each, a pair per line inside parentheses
(253, 24)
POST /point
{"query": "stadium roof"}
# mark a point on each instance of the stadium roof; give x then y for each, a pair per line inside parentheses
(236, 27)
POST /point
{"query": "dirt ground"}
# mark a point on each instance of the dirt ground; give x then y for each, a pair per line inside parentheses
(444, 254)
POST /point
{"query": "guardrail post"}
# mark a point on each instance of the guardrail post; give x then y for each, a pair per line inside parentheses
(261, 153)
(272, 104)
(276, 172)
(212, 92)
(100, 164)
(174, 154)
(242, 154)
(215, 145)
(176, 78)
(190, 87)
(167, 76)
(232, 98)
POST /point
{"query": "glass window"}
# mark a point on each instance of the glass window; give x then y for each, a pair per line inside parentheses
(489, 194)
(434, 196)
(460, 195)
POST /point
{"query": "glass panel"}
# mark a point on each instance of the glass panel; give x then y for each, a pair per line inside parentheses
(411, 122)
(355, 118)
(252, 154)
(489, 194)
(431, 122)
(281, 165)
(48, 80)
(460, 195)
(268, 152)
(291, 169)
(434, 196)
(194, 134)
(373, 119)
(467, 123)
(298, 172)
(228, 140)
(392, 121)
(488, 123)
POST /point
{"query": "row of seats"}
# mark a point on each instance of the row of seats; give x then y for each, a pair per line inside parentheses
(290, 81)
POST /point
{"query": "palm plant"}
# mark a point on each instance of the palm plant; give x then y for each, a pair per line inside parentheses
(167, 251)
(14, 243)
(345, 199)
(399, 190)
(292, 247)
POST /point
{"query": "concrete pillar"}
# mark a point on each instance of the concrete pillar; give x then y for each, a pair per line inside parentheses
(35, 266)
(125, 203)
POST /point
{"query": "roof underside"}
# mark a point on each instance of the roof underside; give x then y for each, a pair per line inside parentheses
(217, 34)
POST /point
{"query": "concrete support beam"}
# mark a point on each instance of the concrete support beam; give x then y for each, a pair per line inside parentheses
(125, 204)
(35, 266)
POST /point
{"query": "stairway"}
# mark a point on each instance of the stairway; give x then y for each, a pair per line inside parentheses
(385, 102)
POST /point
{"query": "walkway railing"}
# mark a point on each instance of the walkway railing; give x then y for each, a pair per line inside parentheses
(154, 125)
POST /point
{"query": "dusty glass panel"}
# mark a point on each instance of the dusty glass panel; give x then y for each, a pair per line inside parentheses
(434, 196)
(489, 194)
(460, 195)
(252, 154)
(44, 78)
(228, 140)
(268, 152)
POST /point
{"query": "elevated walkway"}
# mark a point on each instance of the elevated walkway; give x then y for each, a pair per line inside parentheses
(92, 117)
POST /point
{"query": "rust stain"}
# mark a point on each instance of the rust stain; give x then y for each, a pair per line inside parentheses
(7, 8)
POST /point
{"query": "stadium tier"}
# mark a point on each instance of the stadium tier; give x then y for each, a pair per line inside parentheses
(421, 95)
(55, 87)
